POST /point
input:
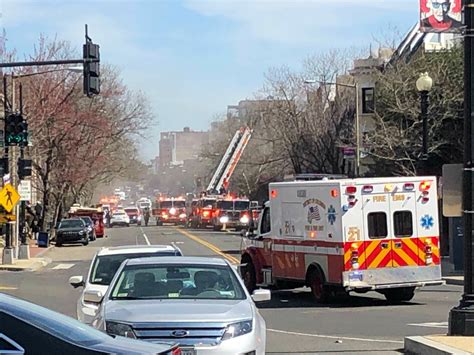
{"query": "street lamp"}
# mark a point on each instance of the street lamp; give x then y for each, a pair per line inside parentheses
(357, 114)
(424, 85)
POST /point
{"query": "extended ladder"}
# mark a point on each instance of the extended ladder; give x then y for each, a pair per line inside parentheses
(229, 161)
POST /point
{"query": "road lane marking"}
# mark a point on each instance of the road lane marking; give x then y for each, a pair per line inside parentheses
(8, 288)
(144, 236)
(431, 325)
(63, 266)
(208, 245)
(336, 337)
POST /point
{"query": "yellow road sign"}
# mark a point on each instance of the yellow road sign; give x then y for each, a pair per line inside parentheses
(9, 197)
(5, 218)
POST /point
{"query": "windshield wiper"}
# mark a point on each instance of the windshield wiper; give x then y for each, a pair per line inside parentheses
(128, 298)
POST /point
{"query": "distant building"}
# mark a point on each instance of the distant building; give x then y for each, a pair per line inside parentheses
(178, 146)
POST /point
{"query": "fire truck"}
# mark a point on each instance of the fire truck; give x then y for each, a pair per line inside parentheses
(232, 213)
(170, 210)
(360, 235)
(203, 211)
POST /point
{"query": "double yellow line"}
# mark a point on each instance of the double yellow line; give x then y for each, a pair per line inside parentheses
(210, 246)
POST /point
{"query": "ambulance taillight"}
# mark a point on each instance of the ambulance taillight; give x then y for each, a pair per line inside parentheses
(351, 199)
(424, 188)
(428, 252)
(354, 256)
(367, 189)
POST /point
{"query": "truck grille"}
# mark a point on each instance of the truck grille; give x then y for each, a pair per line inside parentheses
(187, 334)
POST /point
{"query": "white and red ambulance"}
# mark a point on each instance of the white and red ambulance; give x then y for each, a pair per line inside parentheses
(365, 234)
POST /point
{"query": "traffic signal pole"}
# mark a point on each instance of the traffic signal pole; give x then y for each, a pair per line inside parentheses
(7, 257)
(24, 250)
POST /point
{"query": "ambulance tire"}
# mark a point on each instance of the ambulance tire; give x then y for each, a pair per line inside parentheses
(398, 295)
(319, 290)
(249, 276)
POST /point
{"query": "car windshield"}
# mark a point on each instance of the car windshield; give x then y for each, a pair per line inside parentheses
(71, 223)
(105, 266)
(87, 221)
(177, 282)
(225, 205)
(58, 325)
(241, 205)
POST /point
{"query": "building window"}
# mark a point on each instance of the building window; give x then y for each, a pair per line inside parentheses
(377, 222)
(403, 224)
(368, 100)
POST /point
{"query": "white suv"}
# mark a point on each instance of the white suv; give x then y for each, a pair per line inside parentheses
(102, 270)
(120, 218)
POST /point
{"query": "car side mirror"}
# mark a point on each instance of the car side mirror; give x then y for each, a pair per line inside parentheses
(76, 281)
(93, 297)
(261, 295)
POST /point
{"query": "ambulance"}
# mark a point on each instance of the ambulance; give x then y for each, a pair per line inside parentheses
(347, 235)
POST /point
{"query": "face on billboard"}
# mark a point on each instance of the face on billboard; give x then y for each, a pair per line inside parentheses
(440, 15)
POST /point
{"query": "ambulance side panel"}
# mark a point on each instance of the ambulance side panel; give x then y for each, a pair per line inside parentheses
(306, 224)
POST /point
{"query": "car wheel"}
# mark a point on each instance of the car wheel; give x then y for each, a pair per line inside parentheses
(85, 242)
(319, 290)
(59, 243)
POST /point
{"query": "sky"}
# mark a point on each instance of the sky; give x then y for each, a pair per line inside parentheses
(192, 58)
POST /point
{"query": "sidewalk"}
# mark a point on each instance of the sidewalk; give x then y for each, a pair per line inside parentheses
(454, 280)
(439, 345)
(35, 262)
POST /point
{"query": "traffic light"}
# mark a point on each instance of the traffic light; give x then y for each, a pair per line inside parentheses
(24, 168)
(16, 130)
(91, 68)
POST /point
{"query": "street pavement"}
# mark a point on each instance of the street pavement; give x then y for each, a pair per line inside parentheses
(359, 324)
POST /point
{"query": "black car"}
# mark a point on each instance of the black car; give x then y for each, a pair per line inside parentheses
(31, 329)
(90, 226)
(72, 230)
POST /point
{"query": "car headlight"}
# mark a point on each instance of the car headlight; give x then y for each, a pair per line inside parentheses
(139, 218)
(237, 329)
(182, 215)
(81, 232)
(224, 219)
(172, 211)
(120, 329)
(244, 219)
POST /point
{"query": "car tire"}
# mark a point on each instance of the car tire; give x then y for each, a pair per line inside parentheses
(317, 282)
(85, 242)
(59, 243)
(248, 276)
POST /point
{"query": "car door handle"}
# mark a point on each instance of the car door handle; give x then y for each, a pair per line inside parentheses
(398, 245)
(384, 245)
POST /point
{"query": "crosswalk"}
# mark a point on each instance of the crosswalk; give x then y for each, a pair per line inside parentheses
(62, 266)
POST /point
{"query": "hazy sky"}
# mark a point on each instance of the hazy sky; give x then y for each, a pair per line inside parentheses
(194, 57)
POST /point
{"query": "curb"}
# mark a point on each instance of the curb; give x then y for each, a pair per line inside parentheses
(34, 265)
(418, 345)
(45, 250)
(451, 281)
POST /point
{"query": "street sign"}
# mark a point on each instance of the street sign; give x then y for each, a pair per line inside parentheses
(24, 189)
(5, 218)
(9, 197)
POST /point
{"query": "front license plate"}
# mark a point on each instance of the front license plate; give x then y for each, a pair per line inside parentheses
(188, 351)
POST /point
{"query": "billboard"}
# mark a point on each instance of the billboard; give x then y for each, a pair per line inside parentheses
(440, 15)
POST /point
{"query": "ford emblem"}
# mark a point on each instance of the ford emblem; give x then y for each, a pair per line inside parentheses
(179, 333)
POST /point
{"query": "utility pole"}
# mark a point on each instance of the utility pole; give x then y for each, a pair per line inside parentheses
(461, 318)
(24, 251)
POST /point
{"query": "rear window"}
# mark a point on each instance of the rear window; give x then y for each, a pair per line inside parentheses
(131, 210)
(403, 224)
(377, 222)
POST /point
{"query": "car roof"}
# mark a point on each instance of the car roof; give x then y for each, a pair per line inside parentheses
(191, 260)
(130, 249)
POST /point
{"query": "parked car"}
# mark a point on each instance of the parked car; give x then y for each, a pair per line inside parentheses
(90, 227)
(119, 218)
(134, 215)
(103, 267)
(32, 330)
(72, 230)
(200, 302)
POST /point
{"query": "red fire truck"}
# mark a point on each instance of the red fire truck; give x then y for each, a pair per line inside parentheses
(170, 210)
(367, 234)
(96, 214)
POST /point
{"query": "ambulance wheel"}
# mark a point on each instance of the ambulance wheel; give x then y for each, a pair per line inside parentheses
(249, 277)
(319, 290)
(398, 295)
